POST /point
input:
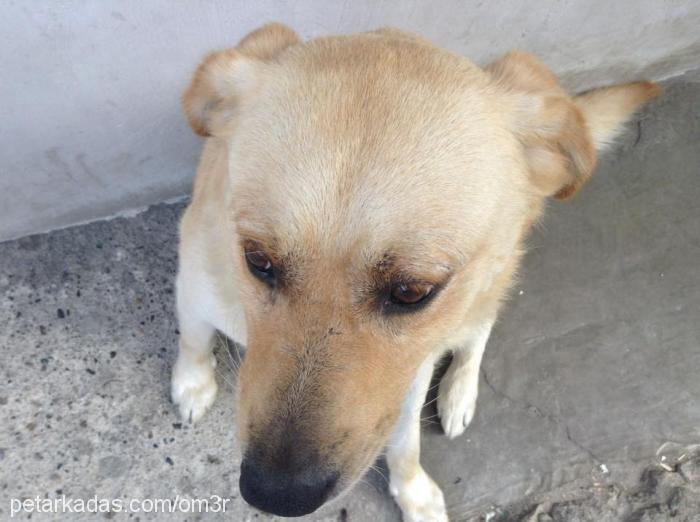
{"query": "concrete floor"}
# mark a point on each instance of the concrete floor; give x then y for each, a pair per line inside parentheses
(589, 394)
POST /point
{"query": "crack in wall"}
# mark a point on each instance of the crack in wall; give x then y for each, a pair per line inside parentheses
(549, 417)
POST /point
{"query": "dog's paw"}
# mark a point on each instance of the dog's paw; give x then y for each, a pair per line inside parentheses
(193, 387)
(456, 402)
(419, 498)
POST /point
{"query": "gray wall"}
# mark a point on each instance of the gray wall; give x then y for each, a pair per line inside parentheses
(90, 123)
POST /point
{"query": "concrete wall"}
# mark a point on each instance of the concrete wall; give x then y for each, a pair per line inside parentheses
(90, 123)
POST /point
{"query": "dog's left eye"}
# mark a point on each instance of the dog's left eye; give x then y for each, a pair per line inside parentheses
(404, 297)
(260, 265)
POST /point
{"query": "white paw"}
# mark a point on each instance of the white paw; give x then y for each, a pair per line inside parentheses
(457, 399)
(419, 498)
(193, 387)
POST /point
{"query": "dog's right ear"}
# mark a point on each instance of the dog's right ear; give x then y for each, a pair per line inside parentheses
(561, 135)
(225, 76)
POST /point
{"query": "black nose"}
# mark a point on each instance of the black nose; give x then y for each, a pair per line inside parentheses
(282, 492)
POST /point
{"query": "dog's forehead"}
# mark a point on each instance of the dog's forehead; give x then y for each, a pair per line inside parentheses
(400, 146)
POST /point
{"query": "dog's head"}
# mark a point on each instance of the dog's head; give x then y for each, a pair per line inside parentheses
(379, 189)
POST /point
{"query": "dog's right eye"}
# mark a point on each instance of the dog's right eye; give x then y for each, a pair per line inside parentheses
(260, 266)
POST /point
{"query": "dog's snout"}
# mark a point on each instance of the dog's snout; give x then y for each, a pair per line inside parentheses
(287, 493)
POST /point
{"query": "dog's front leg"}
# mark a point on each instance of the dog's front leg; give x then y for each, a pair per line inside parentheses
(420, 499)
(459, 386)
(193, 387)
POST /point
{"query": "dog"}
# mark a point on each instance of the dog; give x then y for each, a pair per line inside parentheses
(359, 211)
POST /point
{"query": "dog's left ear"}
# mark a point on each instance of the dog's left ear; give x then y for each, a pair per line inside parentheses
(225, 77)
(561, 135)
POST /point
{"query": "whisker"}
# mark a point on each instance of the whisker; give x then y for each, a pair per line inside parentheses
(431, 401)
(433, 386)
(224, 378)
(235, 364)
(229, 360)
(367, 482)
(224, 369)
(381, 474)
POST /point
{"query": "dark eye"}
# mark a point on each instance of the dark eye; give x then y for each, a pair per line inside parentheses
(260, 265)
(410, 293)
(407, 297)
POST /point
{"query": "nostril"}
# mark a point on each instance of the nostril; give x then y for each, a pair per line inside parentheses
(285, 493)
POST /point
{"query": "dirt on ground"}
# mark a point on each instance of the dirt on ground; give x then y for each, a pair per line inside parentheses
(663, 493)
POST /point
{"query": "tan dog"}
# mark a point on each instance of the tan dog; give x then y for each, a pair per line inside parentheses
(359, 210)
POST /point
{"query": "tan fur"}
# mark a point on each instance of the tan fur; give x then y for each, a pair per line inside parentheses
(225, 75)
(603, 109)
(355, 161)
